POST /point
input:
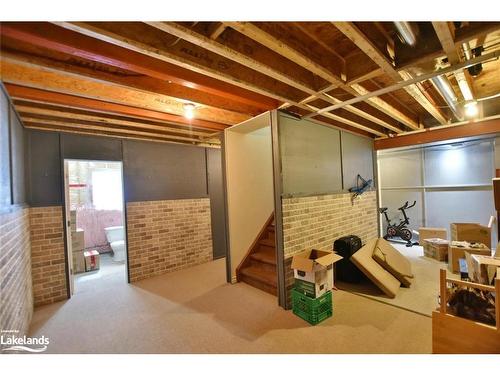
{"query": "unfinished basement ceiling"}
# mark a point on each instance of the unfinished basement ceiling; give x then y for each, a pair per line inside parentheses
(133, 79)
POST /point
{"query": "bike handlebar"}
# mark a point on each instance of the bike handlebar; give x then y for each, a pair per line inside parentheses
(405, 206)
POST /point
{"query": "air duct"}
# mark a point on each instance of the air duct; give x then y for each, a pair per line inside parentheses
(443, 86)
(406, 32)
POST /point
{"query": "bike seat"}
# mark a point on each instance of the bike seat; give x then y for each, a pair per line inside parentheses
(382, 209)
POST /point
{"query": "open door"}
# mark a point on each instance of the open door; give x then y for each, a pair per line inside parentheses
(67, 228)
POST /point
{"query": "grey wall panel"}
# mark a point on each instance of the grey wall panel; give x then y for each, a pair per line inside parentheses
(155, 171)
(217, 202)
(5, 193)
(310, 157)
(403, 168)
(445, 207)
(357, 158)
(462, 164)
(18, 159)
(44, 161)
(91, 147)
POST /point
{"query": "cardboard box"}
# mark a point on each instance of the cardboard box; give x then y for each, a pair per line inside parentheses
(482, 269)
(72, 220)
(471, 232)
(77, 240)
(316, 267)
(457, 250)
(425, 233)
(91, 260)
(436, 248)
(78, 262)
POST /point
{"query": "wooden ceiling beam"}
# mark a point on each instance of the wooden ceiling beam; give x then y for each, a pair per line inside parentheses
(135, 81)
(27, 121)
(343, 120)
(218, 31)
(75, 44)
(112, 134)
(446, 38)
(126, 42)
(32, 76)
(198, 66)
(253, 32)
(224, 51)
(26, 111)
(362, 42)
(72, 101)
(269, 41)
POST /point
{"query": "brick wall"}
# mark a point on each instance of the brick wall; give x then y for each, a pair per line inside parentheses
(16, 296)
(169, 235)
(47, 255)
(317, 221)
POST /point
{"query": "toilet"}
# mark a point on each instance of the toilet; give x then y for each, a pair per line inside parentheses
(116, 239)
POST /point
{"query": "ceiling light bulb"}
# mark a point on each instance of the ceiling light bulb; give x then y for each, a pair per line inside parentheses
(471, 109)
(189, 110)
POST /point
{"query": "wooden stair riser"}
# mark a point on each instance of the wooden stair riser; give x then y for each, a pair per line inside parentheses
(270, 268)
(258, 284)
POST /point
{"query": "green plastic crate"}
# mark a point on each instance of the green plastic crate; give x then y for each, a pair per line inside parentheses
(312, 310)
(305, 287)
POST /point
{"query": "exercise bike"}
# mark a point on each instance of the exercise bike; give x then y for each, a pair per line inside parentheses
(399, 230)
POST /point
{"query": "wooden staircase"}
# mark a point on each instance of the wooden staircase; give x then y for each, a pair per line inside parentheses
(258, 268)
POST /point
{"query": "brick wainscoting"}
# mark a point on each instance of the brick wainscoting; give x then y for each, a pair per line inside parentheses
(16, 303)
(47, 255)
(316, 222)
(164, 236)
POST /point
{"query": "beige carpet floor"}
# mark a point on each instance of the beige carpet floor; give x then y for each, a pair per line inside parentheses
(422, 296)
(196, 311)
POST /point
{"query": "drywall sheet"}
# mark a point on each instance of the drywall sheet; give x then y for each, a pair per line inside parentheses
(402, 168)
(357, 158)
(18, 159)
(158, 171)
(310, 157)
(459, 164)
(91, 148)
(44, 160)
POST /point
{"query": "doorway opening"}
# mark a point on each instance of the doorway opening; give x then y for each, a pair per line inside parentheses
(95, 224)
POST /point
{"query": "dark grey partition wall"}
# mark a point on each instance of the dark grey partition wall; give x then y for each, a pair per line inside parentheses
(217, 202)
(310, 157)
(90, 147)
(357, 158)
(154, 171)
(44, 168)
(17, 137)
